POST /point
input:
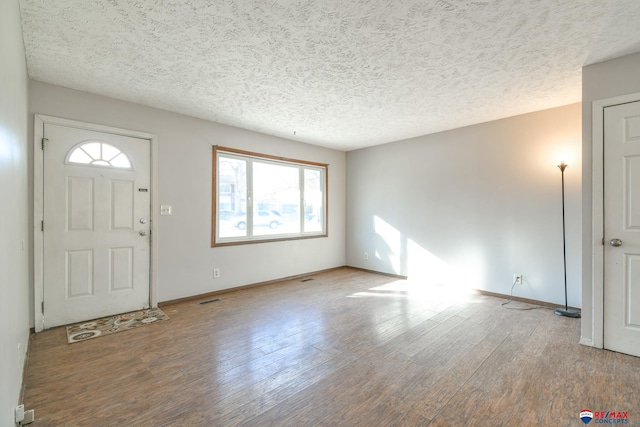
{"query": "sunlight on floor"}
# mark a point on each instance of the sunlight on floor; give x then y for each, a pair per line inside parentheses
(418, 290)
(429, 277)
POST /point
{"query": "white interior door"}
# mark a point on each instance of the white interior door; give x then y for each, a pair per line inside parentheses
(96, 249)
(622, 228)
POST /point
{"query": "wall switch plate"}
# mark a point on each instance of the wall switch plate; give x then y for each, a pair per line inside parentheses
(166, 210)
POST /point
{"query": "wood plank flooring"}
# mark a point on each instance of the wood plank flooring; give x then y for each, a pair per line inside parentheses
(349, 348)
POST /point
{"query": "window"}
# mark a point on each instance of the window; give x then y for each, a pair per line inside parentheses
(99, 154)
(261, 198)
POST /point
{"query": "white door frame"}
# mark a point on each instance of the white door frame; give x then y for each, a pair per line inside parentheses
(597, 229)
(39, 121)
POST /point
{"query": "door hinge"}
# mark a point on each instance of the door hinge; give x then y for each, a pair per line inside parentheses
(42, 225)
(42, 307)
(42, 142)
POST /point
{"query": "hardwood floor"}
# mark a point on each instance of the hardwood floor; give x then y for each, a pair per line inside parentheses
(349, 348)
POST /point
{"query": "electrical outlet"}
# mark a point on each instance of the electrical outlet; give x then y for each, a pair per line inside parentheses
(216, 273)
(517, 279)
(366, 255)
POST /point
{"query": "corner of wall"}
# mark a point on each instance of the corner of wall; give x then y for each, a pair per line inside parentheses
(14, 228)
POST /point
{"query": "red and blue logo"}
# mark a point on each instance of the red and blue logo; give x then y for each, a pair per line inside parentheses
(586, 416)
(602, 417)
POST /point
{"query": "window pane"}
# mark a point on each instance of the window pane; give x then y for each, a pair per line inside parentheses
(99, 154)
(232, 197)
(261, 198)
(79, 156)
(92, 149)
(109, 152)
(313, 200)
(276, 199)
(121, 161)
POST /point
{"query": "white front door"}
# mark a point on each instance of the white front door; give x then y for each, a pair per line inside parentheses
(96, 250)
(622, 228)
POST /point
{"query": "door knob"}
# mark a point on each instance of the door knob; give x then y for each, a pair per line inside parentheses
(615, 242)
(143, 220)
(144, 232)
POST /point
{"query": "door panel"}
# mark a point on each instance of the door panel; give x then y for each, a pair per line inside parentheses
(121, 262)
(95, 261)
(80, 194)
(79, 273)
(122, 208)
(622, 222)
(632, 169)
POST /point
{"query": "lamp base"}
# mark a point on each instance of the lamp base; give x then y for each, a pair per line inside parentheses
(566, 313)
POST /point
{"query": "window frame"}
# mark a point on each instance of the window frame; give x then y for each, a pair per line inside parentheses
(217, 241)
(94, 161)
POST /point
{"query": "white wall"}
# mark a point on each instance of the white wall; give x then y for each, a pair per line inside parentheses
(599, 81)
(186, 259)
(14, 241)
(472, 206)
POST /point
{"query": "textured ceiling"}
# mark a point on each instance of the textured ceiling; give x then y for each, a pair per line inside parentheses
(343, 74)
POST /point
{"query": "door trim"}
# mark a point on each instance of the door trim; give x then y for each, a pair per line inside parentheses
(597, 224)
(39, 121)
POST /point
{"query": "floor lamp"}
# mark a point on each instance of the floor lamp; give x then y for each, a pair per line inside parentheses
(564, 311)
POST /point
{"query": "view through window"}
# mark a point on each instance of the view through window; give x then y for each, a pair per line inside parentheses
(260, 197)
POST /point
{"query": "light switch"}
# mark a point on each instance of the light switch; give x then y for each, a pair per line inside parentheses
(166, 210)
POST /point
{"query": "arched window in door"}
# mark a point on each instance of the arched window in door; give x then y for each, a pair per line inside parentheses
(96, 153)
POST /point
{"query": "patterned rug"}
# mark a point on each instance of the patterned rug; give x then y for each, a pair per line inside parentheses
(112, 324)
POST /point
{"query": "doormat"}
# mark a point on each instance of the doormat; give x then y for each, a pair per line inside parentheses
(112, 324)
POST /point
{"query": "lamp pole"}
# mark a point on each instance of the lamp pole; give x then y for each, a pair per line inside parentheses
(559, 311)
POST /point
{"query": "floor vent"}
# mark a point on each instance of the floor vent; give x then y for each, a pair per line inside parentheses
(307, 280)
(209, 301)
